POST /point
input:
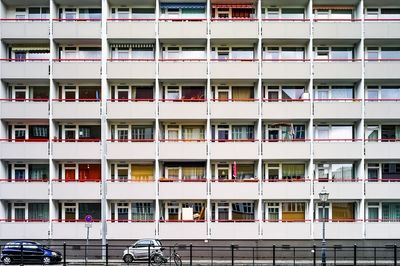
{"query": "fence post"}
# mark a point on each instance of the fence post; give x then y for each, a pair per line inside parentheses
(273, 255)
(314, 255)
(355, 255)
(395, 254)
(191, 254)
(148, 255)
(22, 253)
(106, 254)
(65, 254)
(233, 254)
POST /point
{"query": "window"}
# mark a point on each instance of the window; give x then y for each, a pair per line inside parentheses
(233, 93)
(272, 212)
(243, 211)
(391, 172)
(333, 132)
(193, 132)
(373, 211)
(143, 211)
(382, 53)
(391, 212)
(143, 13)
(293, 211)
(142, 132)
(390, 13)
(285, 171)
(185, 171)
(243, 132)
(284, 53)
(38, 12)
(373, 172)
(38, 211)
(239, 11)
(339, 14)
(285, 93)
(81, 13)
(80, 52)
(93, 209)
(335, 171)
(25, 52)
(333, 92)
(343, 212)
(171, 52)
(38, 171)
(383, 92)
(285, 132)
(237, 53)
(334, 53)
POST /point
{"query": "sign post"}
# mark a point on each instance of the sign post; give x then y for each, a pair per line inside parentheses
(88, 225)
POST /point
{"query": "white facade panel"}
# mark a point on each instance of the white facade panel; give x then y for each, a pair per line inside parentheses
(76, 110)
(131, 190)
(382, 150)
(229, 110)
(183, 230)
(296, 190)
(337, 110)
(340, 190)
(286, 230)
(76, 190)
(131, 231)
(339, 230)
(131, 110)
(75, 230)
(24, 110)
(24, 230)
(234, 29)
(234, 230)
(131, 150)
(144, 29)
(234, 150)
(182, 110)
(286, 110)
(183, 150)
(76, 150)
(24, 150)
(334, 150)
(286, 150)
(25, 29)
(24, 190)
(235, 190)
(187, 190)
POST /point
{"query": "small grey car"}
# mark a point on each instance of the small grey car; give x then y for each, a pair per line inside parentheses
(140, 250)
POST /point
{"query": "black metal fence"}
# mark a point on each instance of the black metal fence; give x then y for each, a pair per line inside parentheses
(194, 255)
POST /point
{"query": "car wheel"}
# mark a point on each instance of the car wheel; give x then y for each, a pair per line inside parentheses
(128, 258)
(157, 260)
(46, 260)
(7, 260)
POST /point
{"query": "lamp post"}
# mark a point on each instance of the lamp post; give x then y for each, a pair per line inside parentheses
(323, 197)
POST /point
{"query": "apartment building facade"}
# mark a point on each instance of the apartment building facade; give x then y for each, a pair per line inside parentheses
(200, 120)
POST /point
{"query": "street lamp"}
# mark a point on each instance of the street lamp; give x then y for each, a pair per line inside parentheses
(323, 197)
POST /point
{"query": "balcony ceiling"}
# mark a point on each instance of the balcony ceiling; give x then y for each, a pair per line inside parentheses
(337, 2)
(26, 2)
(230, 2)
(302, 3)
(132, 2)
(78, 3)
(381, 3)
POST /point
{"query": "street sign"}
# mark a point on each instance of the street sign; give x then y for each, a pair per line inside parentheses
(88, 221)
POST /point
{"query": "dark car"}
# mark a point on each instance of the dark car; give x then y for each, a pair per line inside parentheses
(28, 251)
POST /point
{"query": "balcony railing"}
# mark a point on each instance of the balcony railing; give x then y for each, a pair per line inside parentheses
(28, 220)
(20, 100)
(77, 140)
(184, 180)
(62, 180)
(24, 180)
(24, 140)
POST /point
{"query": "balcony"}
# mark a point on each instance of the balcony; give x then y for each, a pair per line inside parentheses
(24, 190)
(285, 189)
(234, 69)
(24, 150)
(350, 189)
(337, 70)
(78, 29)
(375, 29)
(185, 150)
(183, 69)
(231, 29)
(76, 150)
(279, 69)
(76, 190)
(339, 230)
(76, 110)
(229, 110)
(75, 230)
(337, 109)
(131, 109)
(337, 29)
(24, 110)
(286, 110)
(131, 190)
(382, 70)
(24, 29)
(182, 230)
(385, 109)
(382, 230)
(182, 190)
(77, 69)
(382, 190)
(286, 150)
(231, 150)
(286, 230)
(182, 109)
(24, 230)
(234, 230)
(33, 69)
(125, 29)
(182, 29)
(241, 189)
(285, 29)
(337, 150)
(131, 150)
(131, 69)
(135, 230)
(382, 150)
